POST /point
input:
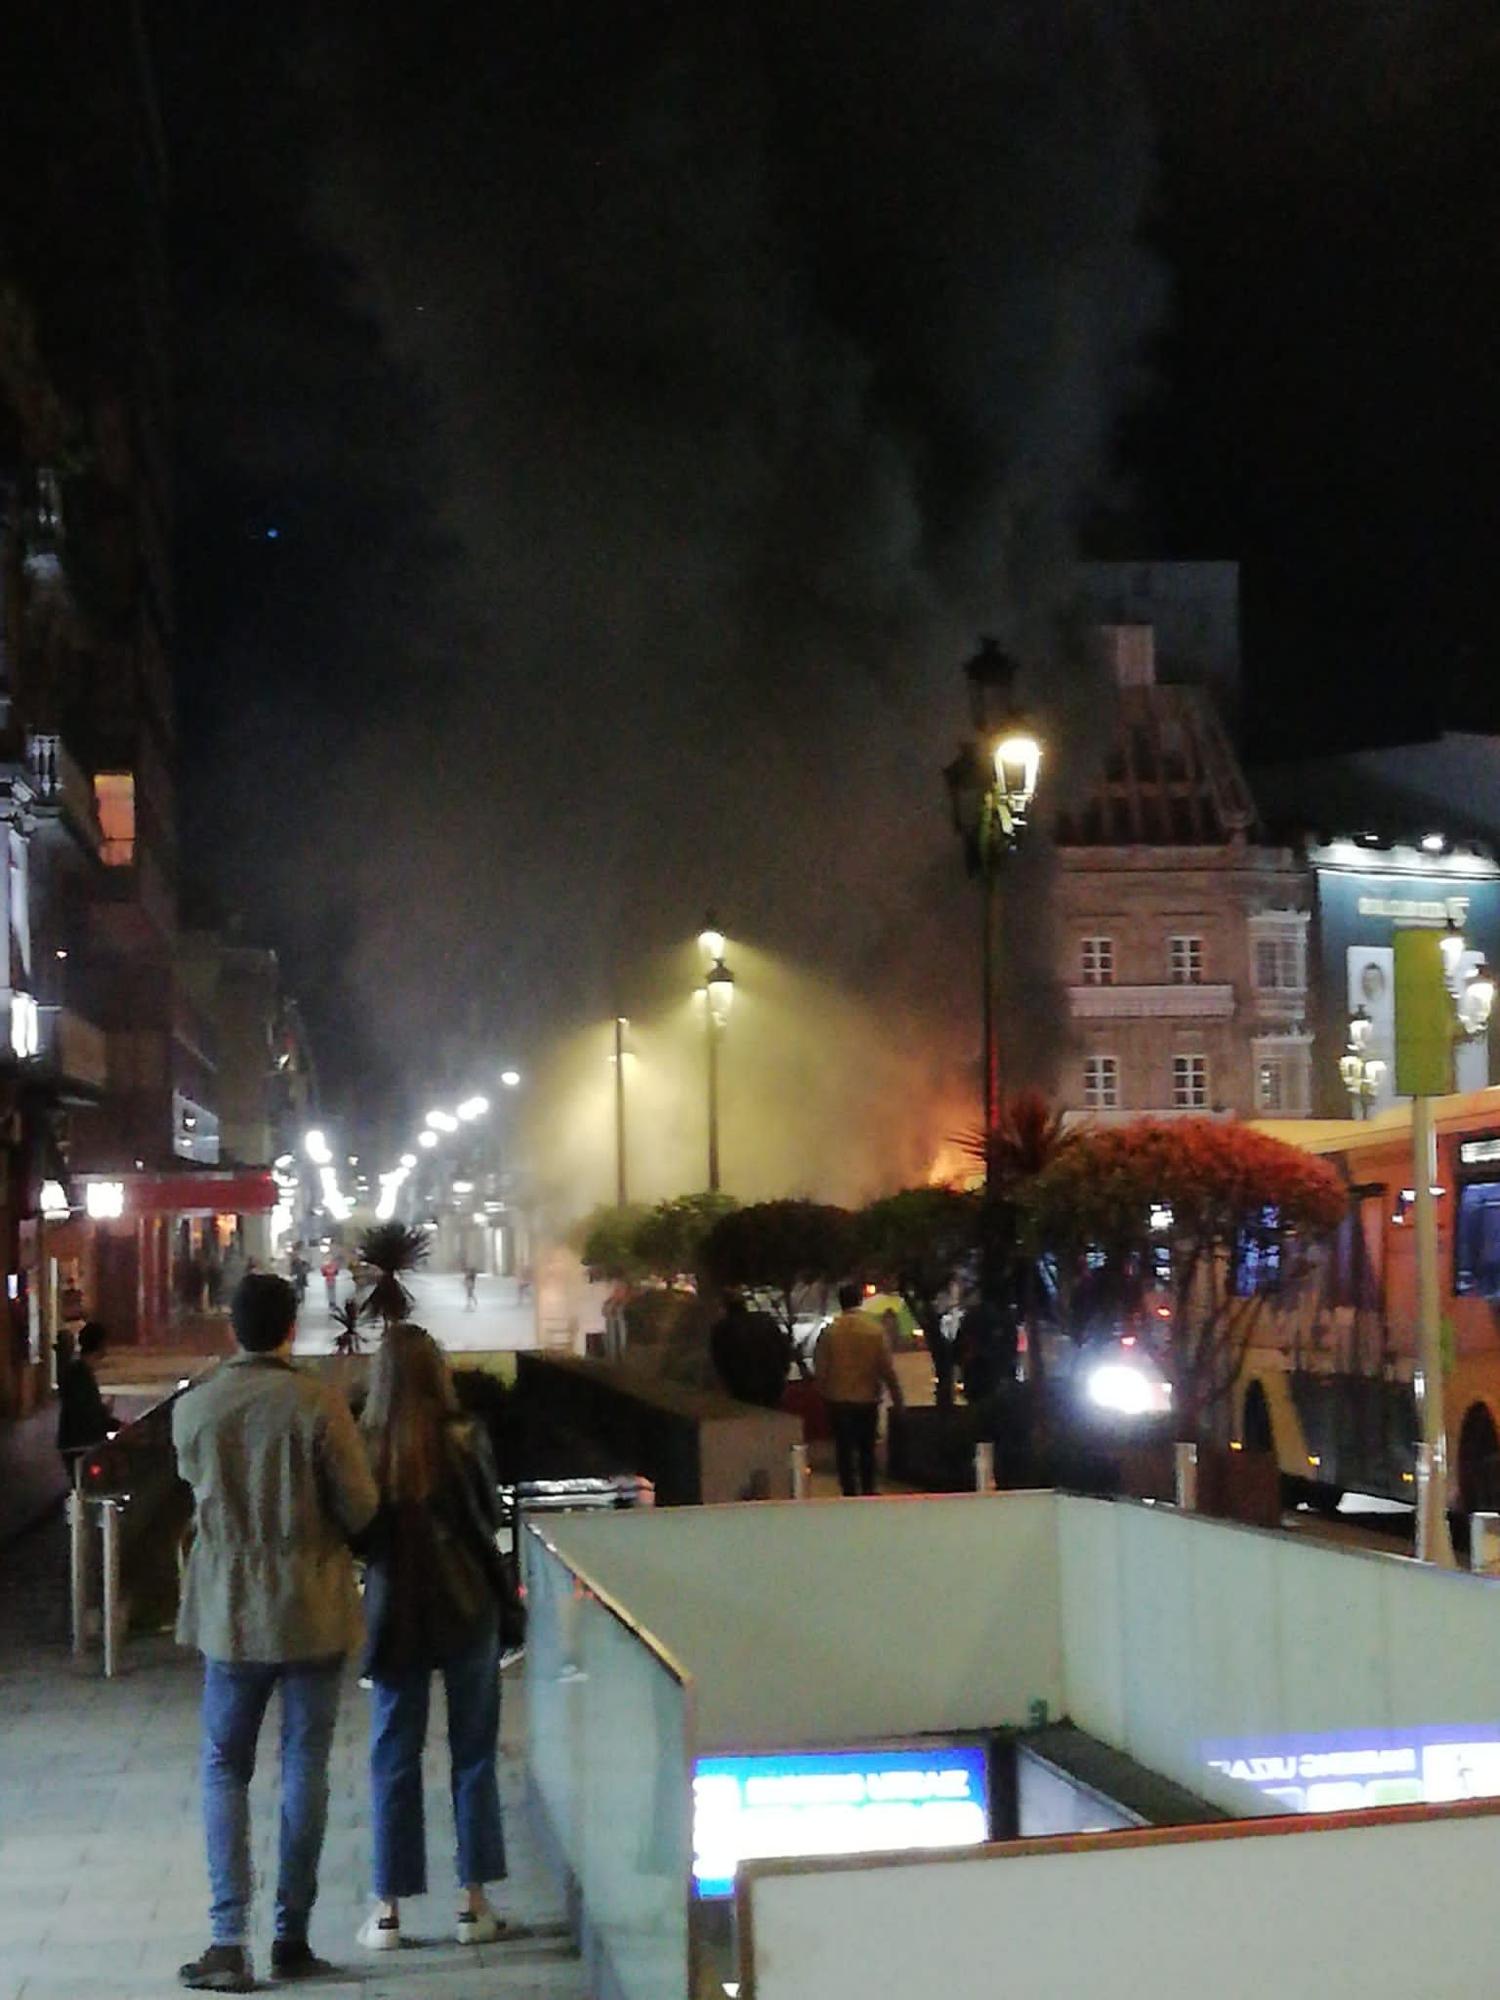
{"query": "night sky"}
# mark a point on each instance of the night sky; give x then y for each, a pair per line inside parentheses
(604, 430)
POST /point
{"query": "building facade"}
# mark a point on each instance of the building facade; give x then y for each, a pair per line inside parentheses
(1181, 935)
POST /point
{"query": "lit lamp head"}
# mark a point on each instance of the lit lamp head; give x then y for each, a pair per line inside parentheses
(1360, 1026)
(1352, 1072)
(427, 1138)
(711, 941)
(1478, 999)
(719, 986)
(1452, 949)
(1018, 763)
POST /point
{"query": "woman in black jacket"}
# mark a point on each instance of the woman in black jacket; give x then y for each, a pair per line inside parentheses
(430, 1605)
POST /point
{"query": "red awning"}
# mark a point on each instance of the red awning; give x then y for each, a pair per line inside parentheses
(241, 1191)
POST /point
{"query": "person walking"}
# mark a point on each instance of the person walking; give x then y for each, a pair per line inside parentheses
(331, 1280)
(280, 1485)
(852, 1366)
(471, 1288)
(84, 1417)
(433, 1588)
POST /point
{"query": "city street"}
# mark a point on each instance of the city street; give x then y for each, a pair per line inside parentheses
(499, 1323)
(102, 1885)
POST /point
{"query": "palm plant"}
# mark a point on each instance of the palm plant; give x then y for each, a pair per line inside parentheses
(349, 1339)
(393, 1249)
(1029, 1136)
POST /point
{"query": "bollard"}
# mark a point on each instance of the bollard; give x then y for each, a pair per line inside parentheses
(109, 1531)
(1185, 1476)
(1484, 1544)
(801, 1475)
(984, 1466)
(78, 1568)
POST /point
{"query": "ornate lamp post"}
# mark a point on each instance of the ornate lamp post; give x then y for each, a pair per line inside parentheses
(718, 991)
(991, 784)
(1362, 1073)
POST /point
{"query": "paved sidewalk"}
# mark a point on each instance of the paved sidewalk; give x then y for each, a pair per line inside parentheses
(102, 1885)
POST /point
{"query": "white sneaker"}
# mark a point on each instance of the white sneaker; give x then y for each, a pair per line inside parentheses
(481, 1927)
(378, 1933)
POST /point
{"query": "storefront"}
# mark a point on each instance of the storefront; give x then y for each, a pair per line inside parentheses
(156, 1256)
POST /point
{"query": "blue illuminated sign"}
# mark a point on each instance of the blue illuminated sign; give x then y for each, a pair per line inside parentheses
(834, 1802)
(1353, 1769)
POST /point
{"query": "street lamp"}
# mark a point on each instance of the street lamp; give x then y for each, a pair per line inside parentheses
(718, 991)
(428, 1138)
(1362, 1073)
(442, 1121)
(991, 784)
(510, 1078)
(621, 1189)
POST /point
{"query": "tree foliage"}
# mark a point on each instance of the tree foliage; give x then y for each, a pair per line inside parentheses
(606, 1242)
(779, 1247)
(1216, 1196)
(918, 1242)
(393, 1250)
(669, 1237)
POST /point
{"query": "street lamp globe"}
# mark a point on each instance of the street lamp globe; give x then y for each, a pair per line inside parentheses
(1018, 762)
(510, 1078)
(719, 986)
(1452, 949)
(1478, 999)
(428, 1138)
(408, 1160)
(711, 940)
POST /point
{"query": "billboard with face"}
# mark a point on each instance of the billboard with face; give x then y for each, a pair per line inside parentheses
(1359, 909)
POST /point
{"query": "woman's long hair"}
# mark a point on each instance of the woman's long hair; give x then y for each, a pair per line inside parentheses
(407, 1413)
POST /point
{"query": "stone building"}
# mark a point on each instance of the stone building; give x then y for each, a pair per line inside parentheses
(1181, 934)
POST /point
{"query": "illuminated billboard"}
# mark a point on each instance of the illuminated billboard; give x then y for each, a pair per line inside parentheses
(873, 1801)
(1364, 896)
(1354, 1769)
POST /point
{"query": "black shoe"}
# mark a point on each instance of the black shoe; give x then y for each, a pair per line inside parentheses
(223, 1968)
(294, 1958)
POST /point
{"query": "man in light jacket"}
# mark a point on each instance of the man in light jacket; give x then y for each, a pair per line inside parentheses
(280, 1482)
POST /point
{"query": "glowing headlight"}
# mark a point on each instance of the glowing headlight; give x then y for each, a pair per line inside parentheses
(1116, 1387)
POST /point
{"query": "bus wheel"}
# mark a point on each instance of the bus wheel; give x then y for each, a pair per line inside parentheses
(1478, 1462)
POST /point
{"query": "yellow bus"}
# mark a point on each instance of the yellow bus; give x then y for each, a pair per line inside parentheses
(1327, 1381)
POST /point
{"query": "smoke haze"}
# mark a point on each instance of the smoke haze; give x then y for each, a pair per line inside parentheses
(717, 381)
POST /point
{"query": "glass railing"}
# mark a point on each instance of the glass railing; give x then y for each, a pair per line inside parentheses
(611, 1758)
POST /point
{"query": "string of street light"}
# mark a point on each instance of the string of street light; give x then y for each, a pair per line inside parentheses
(440, 1124)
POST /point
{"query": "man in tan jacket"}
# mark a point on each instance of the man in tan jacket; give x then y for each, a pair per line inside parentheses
(280, 1482)
(853, 1365)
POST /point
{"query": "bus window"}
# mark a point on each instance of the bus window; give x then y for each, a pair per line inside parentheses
(1476, 1240)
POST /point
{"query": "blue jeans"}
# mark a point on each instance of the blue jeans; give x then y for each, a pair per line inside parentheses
(398, 1730)
(235, 1698)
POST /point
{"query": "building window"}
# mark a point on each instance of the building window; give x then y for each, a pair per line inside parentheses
(1098, 961)
(1190, 1083)
(114, 792)
(1101, 1083)
(1279, 964)
(1270, 1084)
(1187, 961)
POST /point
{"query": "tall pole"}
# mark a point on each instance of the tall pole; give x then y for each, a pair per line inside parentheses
(1434, 1544)
(713, 1094)
(621, 1193)
(989, 970)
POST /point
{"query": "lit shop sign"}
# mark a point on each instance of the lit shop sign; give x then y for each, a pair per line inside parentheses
(1359, 1768)
(834, 1802)
(1479, 1152)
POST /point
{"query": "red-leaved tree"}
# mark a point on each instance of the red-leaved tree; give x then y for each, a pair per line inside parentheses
(1236, 1211)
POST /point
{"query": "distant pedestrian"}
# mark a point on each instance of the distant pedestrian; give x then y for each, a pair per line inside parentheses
(471, 1289)
(331, 1282)
(853, 1366)
(280, 1483)
(433, 1590)
(84, 1418)
(213, 1281)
